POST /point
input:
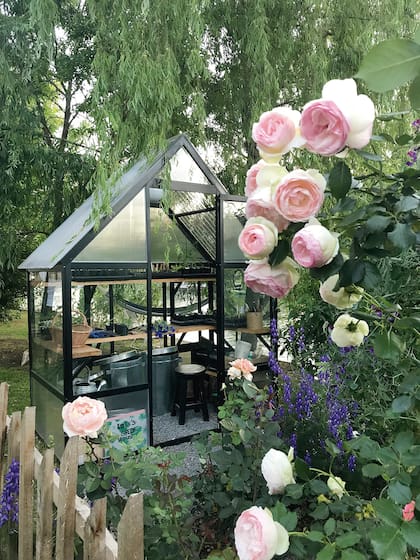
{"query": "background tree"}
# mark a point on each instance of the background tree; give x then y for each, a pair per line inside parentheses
(88, 86)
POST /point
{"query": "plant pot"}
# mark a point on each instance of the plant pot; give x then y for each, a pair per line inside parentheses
(254, 320)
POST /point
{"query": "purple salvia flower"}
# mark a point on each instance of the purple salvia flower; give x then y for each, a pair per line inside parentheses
(9, 500)
(351, 463)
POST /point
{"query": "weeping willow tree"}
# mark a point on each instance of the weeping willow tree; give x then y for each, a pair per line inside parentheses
(210, 67)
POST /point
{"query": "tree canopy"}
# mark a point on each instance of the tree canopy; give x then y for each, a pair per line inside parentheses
(88, 86)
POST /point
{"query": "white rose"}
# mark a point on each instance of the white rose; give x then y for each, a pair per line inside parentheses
(348, 331)
(342, 298)
(276, 468)
(336, 486)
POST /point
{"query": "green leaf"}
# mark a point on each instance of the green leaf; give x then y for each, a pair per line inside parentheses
(414, 93)
(411, 322)
(372, 470)
(404, 139)
(326, 553)
(378, 223)
(388, 545)
(295, 491)
(302, 469)
(329, 526)
(320, 512)
(351, 554)
(403, 441)
(92, 484)
(399, 493)
(352, 272)
(368, 155)
(279, 253)
(401, 404)
(388, 512)
(339, 180)
(390, 64)
(388, 346)
(372, 276)
(411, 532)
(250, 389)
(407, 203)
(347, 540)
(328, 270)
(315, 536)
(318, 486)
(402, 236)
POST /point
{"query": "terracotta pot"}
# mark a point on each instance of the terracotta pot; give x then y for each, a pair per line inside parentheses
(254, 320)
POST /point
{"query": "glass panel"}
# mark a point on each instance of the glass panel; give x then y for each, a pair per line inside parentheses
(123, 239)
(184, 168)
(168, 243)
(197, 215)
(46, 327)
(233, 222)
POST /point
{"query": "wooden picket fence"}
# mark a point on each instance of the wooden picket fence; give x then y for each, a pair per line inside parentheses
(51, 513)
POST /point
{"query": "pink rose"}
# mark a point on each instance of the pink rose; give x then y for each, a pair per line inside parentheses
(314, 246)
(408, 511)
(260, 204)
(251, 177)
(276, 281)
(258, 238)
(83, 417)
(300, 195)
(276, 133)
(340, 119)
(246, 367)
(258, 536)
(324, 127)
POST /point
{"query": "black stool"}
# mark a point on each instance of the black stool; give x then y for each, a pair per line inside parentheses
(183, 374)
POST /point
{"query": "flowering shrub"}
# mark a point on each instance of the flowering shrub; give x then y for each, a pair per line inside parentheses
(9, 500)
(161, 328)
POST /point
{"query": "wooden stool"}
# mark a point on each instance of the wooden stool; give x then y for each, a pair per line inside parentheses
(183, 374)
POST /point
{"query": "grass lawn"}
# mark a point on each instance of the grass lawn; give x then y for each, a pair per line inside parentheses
(13, 342)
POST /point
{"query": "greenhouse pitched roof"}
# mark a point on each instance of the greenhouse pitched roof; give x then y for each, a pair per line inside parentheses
(78, 229)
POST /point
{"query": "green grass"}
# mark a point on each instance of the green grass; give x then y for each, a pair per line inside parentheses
(18, 380)
(15, 329)
(13, 341)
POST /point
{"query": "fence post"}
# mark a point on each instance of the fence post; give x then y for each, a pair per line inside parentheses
(131, 530)
(94, 538)
(66, 514)
(26, 479)
(44, 538)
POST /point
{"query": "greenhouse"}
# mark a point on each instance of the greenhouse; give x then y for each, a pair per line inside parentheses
(129, 311)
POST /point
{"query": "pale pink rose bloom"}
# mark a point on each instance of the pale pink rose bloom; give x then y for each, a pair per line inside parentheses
(83, 417)
(270, 175)
(314, 246)
(299, 195)
(258, 238)
(258, 536)
(358, 110)
(260, 203)
(408, 511)
(251, 177)
(338, 120)
(276, 133)
(246, 367)
(336, 486)
(324, 127)
(276, 281)
(234, 373)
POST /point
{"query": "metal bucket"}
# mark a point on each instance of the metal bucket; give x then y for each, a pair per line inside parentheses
(164, 362)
